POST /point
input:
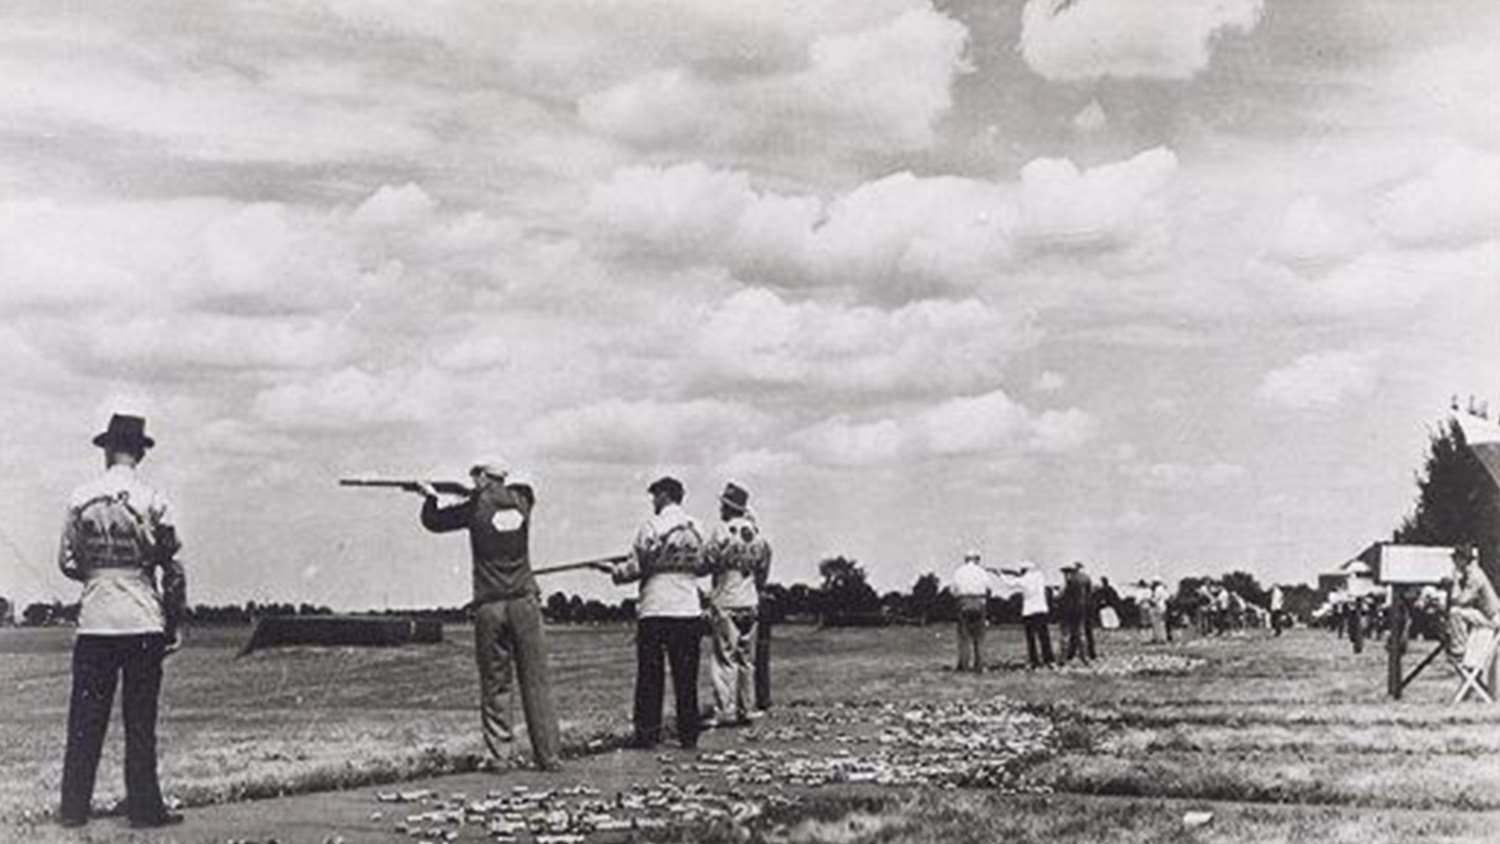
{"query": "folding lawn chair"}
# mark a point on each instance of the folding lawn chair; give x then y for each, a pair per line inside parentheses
(1474, 667)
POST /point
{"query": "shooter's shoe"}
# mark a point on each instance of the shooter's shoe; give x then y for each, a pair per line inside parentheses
(162, 818)
(552, 766)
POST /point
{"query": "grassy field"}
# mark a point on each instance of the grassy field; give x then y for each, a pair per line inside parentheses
(1292, 736)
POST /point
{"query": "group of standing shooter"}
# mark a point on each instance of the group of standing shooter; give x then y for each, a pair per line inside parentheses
(973, 584)
(667, 558)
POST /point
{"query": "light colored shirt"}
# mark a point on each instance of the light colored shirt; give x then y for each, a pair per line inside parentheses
(972, 580)
(737, 555)
(1476, 592)
(1033, 588)
(667, 558)
(116, 531)
(1159, 597)
(1276, 599)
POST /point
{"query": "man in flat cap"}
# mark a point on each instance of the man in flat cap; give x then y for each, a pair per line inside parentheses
(737, 555)
(667, 559)
(507, 607)
(118, 533)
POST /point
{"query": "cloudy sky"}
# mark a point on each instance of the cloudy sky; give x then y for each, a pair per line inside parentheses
(1169, 287)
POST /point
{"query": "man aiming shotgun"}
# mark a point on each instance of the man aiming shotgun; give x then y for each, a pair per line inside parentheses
(496, 512)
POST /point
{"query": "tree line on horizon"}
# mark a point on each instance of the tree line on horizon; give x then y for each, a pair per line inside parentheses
(1456, 503)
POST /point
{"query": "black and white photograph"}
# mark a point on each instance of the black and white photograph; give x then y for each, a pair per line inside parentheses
(736, 421)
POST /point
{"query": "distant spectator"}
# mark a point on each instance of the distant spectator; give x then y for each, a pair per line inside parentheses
(972, 586)
(1157, 600)
(1474, 605)
(1028, 579)
(1074, 610)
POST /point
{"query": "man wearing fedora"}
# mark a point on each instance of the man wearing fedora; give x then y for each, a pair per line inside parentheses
(507, 607)
(737, 554)
(666, 558)
(118, 533)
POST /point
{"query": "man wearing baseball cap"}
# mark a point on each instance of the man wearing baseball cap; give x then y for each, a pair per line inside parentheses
(666, 558)
(507, 609)
(118, 533)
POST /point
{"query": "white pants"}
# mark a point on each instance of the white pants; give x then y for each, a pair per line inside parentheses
(733, 666)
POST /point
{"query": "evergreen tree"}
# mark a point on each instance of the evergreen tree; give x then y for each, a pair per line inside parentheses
(1457, 502)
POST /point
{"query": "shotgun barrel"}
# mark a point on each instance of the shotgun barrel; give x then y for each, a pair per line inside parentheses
(445, 487)
(580, 564)
(561, 567)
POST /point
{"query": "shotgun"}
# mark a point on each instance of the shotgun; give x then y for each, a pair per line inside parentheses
(561, 567)
(581, 564)
(445, 487)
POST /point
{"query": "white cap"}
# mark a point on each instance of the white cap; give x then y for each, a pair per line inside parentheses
(492, 468)
(971, 554)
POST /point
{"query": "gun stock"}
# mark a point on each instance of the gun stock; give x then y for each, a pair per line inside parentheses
(444, 487)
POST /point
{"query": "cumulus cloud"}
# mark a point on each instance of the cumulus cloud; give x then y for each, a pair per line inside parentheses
(215, 253)
(897, 230)
(1088, 39)
(1314, 237)
(1049, 382)
(1455, 203)
(1184, 476)
(193, 344)
(966, 425)
(1389, 282)
(1321, 379)
(645, 432)
(1065, 208)
(97, 77)
(1091, 118)
(755, 338)
(882, 87)
(354, 398)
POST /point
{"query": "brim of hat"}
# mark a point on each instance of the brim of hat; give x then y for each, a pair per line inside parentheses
(743, 508)
(107, 439)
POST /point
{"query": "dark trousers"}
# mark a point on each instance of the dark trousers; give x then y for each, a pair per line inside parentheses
(1080, 639)
(659, 641)
(971, 640)
(1038, 639)
(98, 664)
(509, 633)
(763, 663)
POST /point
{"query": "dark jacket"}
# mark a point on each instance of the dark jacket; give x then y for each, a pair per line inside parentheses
(499, 525)
(1075, 601)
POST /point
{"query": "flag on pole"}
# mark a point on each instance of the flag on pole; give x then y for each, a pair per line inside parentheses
(1483, 437)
